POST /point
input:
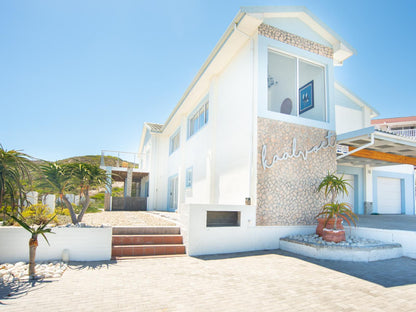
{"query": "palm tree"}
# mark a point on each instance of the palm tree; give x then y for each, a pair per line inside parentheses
(60, 178)
(334, 185)
(33, 241)
(86, 176)
(14, 171)
(56, 178)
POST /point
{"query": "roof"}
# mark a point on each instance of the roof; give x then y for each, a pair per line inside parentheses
(393, 120)
(154, 127)
(246, 23)
(342, 50)
(381, 142)
(355, 98)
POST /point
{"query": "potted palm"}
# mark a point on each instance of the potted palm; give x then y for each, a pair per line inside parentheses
(333, 213)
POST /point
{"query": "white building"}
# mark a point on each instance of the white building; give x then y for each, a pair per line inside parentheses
(258, 128)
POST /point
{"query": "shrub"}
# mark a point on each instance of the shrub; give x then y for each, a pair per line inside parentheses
(37, 214)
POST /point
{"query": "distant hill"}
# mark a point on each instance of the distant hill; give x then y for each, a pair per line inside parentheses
(91, 159)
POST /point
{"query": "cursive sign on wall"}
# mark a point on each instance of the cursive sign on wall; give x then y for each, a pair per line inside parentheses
(295, 153)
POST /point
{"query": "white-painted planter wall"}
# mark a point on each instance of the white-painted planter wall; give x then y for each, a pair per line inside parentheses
(83, 244)
(203, 240)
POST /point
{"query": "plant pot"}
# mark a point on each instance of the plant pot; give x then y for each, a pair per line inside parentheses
(329, 225)
(331, 235)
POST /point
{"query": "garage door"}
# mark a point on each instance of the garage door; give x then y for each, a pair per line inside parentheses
(389, 196)
(350, 197)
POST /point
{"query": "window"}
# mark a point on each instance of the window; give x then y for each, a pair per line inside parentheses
(198, 119)
(189, 178)
(174, 141)
(296, 87)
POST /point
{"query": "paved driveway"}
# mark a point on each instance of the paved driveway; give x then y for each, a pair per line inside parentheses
(257, 281)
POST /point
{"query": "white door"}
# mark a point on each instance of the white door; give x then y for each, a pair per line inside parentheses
(350, 197)
(389, 196)
(173, 193)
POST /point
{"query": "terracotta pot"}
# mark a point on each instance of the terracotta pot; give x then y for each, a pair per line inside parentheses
(329, 225)
(335, 236)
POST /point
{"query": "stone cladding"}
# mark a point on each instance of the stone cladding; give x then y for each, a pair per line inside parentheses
(286, 192)
(294, 40)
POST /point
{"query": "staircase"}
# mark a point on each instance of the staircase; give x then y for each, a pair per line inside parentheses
(129, 242)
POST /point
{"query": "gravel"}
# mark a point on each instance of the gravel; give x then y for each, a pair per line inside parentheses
(351, 241)
(19, 271)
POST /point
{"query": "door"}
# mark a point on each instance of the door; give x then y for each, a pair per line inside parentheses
(389, 196)
(173, 193)
(350, 197)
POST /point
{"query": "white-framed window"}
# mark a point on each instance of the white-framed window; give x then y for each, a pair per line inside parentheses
(296, 86)
(198, 118)
(174, 141)
(189, 177)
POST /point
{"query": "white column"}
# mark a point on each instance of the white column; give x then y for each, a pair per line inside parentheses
(108, 191)
(368, 191)
(129, 182)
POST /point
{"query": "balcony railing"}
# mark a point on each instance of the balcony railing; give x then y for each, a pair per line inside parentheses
(406, 132)
(121, 159)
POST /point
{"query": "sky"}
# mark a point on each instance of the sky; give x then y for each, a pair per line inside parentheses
(78, 77)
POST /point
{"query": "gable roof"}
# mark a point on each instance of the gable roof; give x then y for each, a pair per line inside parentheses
(355, 98)
(342, 50)
(154, 127)
(244, 25)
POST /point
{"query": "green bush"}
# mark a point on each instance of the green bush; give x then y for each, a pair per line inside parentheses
(98, 197)
(37, 214)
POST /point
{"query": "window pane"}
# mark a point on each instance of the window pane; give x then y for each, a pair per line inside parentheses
(206, 112)
(201, 118)
(316, 107)
(281, 83)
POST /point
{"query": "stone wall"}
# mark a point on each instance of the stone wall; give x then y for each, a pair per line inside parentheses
(294, 40)
(291, 161)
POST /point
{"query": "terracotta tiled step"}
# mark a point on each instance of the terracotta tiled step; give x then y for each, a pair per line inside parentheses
(146, 230)
(146, 239)
(147, 250)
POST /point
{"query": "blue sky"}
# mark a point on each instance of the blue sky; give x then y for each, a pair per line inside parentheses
(77, 77)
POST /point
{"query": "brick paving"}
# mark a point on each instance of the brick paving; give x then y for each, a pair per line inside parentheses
(255, 281)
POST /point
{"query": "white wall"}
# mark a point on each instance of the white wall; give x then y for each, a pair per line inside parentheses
(203, 240)
(407, 169)
(348, 119)
(234, 129)
(84, 244)
(406, 238)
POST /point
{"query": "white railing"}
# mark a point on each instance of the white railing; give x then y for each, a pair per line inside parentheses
(121, 159)
(406, 132)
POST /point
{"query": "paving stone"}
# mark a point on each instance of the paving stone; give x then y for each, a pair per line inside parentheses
(255, 281)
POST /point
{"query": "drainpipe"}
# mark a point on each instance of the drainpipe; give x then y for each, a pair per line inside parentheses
(359, 148)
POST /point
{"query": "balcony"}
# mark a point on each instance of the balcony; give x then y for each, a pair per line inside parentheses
(407, 132)
(122, 160)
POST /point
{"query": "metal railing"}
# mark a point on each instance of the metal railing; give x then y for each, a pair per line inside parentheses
(406, 132)
(121, 159)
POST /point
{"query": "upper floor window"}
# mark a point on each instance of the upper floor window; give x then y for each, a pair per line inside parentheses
(296, 87)
(198, 119)
(174, 141)
(189, 177)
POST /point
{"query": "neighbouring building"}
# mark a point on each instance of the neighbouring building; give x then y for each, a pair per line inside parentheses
(243, 151)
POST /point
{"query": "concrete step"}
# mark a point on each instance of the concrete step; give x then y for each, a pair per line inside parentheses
(146, 239)
(146, 230)
(147, 250)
